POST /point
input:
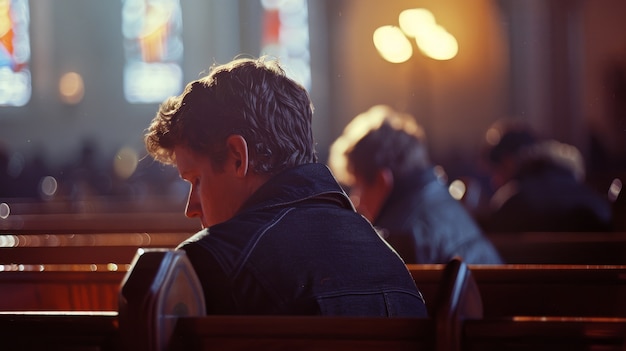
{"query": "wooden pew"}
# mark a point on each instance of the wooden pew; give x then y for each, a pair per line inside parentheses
(96, 214)
(60, 290)
(164, 308)
(542, 307)
(581, 248)
(540, 290)
(544, 333)
(78, 248)
(59, 331)
(173, 314)
(26, 259)
(70, 271)
(99, 222)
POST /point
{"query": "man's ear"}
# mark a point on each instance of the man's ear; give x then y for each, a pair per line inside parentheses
(384, 181)
(238, 154)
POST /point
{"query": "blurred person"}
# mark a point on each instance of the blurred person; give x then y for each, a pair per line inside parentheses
(383, 158)
(280, 236)
(539, 184)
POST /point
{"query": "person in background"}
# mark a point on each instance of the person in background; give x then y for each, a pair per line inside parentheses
(280, 235)
(383, 159)
(539, 184)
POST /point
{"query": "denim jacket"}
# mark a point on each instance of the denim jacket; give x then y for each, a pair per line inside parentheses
(426, 225)
(298, 247)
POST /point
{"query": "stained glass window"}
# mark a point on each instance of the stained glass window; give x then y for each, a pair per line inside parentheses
(153, 49)
(286, 36)
(15, 81)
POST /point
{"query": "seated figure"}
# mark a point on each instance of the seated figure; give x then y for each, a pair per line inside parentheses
(279, 234)
(539, 184)
(382, 157)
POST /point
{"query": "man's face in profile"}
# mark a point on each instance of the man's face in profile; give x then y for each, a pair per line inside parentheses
(212, 193)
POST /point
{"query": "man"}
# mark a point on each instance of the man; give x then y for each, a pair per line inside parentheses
(382, 157)
(539, 184)
(280, 236)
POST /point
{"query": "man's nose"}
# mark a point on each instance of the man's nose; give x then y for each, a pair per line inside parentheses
(194, 208)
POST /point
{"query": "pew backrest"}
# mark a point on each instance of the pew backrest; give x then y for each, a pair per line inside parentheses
(540, 290)
(545, 333)
(160, 288)
(153, 292)
(577, 248)
(60, 290)
(69, 330)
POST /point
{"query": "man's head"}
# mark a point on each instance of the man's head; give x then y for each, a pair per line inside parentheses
(377, 148)
(239, 125)
(506, 140)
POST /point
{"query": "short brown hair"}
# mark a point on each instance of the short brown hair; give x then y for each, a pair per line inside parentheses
(379, 138)
(250, 97)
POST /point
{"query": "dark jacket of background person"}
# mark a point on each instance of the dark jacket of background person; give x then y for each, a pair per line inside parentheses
(547, 194)
(298, 247)
(382, 157)
(539, 185)
(426, 225)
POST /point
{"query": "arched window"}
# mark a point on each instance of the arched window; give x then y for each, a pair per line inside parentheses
(15, 80)
(286, 36)
(153, 48)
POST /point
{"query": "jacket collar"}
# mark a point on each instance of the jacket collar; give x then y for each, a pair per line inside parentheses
(297, 184)
(404, 193)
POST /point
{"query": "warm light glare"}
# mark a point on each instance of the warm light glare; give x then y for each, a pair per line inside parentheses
(614, 190)
(437, 43)
(71, 88)
(433, 40)
(493, 136)
(457, 189)
(412, 21)
(125, 162)
(5, 18)
(392, 45)
(8, 241)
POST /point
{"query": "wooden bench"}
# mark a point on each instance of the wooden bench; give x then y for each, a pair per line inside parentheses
(162, 304)
(96, 214)
(60, 290)
(580, 248)
(540, 290)
(544, 333)
(59, 331)
(32, 264)
(70, 271)
(541, 307)
(77, 248)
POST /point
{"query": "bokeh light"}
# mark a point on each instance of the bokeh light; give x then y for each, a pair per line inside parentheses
(436, 43)
(432, 39)
(615, 189)
(392, 44)
(5, 210)
(125, 162)
(457, 189)
(48, 186)
(71, 88)
(412, 21)
(493, 136)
